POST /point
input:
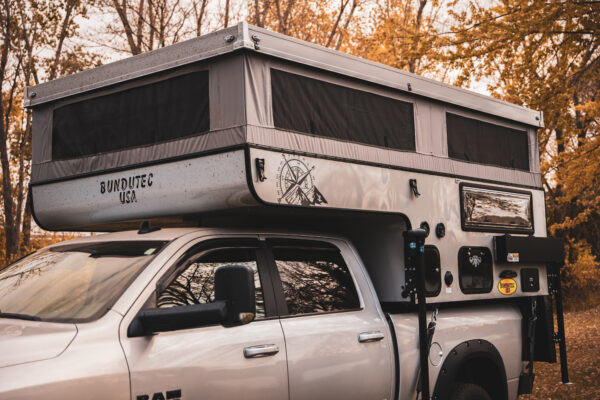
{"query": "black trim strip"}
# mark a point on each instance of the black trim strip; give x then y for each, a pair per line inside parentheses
(276, 284)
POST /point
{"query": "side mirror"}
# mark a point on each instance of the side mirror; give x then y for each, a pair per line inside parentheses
(234, 305)
(234, 284)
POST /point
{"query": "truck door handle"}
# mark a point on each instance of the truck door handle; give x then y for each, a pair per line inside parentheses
(367, 337)
(263, 350)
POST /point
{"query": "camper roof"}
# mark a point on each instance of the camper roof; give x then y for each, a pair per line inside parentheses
(244, 36)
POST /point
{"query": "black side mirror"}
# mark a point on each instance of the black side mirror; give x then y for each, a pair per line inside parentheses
(234, 305)
(235, 285)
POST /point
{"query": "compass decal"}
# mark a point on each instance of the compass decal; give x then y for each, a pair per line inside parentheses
(296, 183)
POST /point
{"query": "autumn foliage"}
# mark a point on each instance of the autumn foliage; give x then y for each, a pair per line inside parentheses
(543, 55)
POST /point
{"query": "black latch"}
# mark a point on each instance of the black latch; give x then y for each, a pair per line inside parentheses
(413, 187)
(260, 169)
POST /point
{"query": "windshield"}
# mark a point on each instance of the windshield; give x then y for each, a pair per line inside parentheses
(72, 283)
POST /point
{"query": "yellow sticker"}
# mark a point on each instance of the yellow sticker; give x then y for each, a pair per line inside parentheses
(507, 286)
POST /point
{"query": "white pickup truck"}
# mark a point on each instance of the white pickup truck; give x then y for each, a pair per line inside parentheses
(428, 272)
(226, 314)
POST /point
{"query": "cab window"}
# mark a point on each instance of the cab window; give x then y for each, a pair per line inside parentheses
(314, 277)
(194, 281)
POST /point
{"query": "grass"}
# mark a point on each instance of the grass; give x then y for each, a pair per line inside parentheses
(583, 354)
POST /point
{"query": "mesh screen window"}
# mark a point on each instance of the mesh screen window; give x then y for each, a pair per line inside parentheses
(481, 142)
(312, 106)
(145, 115)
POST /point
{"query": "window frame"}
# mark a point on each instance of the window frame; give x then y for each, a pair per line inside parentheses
(198, 250)
(278, 285)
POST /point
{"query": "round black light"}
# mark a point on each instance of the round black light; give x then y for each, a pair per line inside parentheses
(448, 278)
(440, 230)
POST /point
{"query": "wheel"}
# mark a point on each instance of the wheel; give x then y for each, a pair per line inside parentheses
(469, 391)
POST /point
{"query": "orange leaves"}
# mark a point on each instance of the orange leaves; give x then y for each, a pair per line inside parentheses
(404, 34)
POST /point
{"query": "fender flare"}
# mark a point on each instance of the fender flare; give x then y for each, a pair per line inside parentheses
(459, 357)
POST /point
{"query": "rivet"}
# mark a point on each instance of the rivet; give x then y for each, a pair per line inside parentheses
(409, 87)
(32, 95)
(229, 38)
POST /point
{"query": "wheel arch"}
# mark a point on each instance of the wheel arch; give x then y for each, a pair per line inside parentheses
(473, 361)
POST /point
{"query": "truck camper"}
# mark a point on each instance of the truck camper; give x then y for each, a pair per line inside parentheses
(288, 222)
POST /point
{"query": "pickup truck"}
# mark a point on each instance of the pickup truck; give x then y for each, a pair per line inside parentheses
(207, 313)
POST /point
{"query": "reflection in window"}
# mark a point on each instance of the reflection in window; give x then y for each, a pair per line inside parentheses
(315, 280)
(196, 283)
(486, 208)
(73, 282)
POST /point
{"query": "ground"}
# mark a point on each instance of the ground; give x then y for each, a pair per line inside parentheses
(583, 354)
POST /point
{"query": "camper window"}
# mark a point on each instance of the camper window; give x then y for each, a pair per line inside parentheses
(490, 210)
(170, 109)
(312, 106)
(481, 142)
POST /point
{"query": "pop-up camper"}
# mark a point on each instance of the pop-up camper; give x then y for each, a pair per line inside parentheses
(248, 129)
(245, 119)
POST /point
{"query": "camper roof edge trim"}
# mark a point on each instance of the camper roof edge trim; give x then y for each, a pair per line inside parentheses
(279, 46)
(177, 55)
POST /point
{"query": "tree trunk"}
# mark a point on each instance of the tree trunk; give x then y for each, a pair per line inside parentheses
(226, 22)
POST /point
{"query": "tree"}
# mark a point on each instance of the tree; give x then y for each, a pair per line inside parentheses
(546, 56)
(144, 25)
(34, 34)
(319, 22)
(405, 35)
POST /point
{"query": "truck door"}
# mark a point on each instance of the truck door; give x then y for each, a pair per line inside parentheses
(210, 362)
(337, 343)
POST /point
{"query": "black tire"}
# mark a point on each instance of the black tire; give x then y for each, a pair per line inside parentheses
(469, 391)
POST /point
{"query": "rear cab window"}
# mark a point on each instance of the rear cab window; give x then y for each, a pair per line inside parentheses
(314, 277)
